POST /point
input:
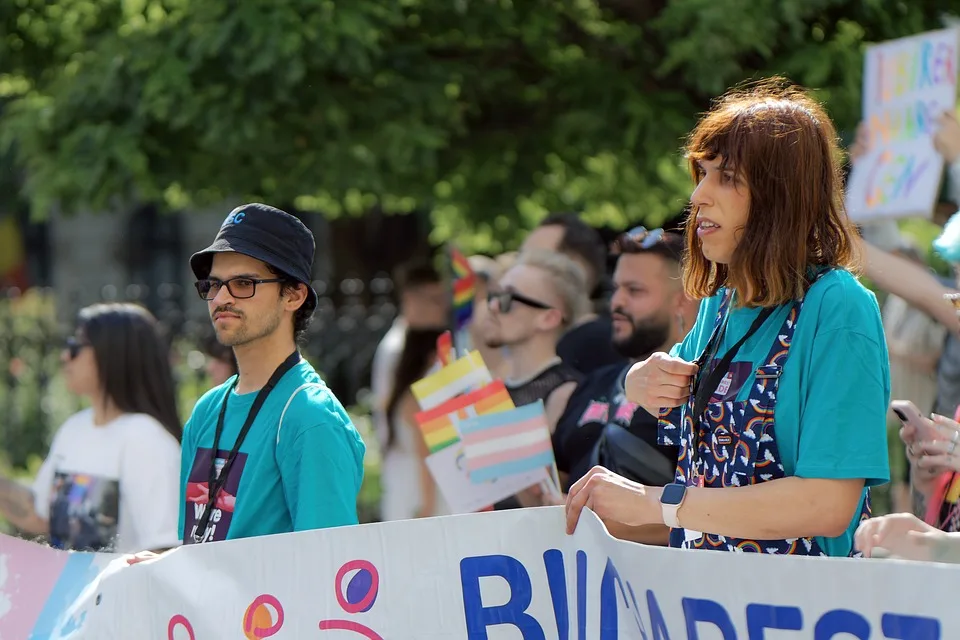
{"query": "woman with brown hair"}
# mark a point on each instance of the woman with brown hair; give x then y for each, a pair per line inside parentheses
(778, 395)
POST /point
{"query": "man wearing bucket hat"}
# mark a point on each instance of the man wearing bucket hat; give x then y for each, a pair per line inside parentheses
(271, 450)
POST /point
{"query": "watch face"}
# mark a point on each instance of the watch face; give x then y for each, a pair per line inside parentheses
(673, 493)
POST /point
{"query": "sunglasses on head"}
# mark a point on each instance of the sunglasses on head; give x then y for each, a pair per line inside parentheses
(505, 300)
(75, 346)
(646, 238)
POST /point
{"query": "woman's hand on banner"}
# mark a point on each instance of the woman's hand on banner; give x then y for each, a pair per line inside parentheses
(901, 534)
(614, 499)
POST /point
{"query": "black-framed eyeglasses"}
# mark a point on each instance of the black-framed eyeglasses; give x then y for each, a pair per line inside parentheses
(240, 287)
(74, 346)
(646, 238)
(505, 300)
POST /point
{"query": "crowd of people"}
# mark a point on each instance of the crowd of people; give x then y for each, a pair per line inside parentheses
(723, 385)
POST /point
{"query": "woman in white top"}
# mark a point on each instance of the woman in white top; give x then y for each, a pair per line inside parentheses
(111, 479)
(407, 486)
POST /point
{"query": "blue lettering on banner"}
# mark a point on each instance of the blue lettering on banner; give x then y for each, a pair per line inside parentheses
(609, 618)
(765, 616)
(841, 621)
(479, 617)
(709, 612)
(698, 613)
(909, 627)
(557, 581)
(657, 623)
(581, 595)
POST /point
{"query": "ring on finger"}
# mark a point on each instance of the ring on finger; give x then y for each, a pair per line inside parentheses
(952, 448)
(955, 437)
(911, 452)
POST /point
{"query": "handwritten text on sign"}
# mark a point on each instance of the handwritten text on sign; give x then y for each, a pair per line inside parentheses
(908, 84)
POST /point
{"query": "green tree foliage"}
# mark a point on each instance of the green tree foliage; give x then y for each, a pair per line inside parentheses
(483, 112)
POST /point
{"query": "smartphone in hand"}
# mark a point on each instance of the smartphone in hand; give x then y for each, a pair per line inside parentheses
(908, 414)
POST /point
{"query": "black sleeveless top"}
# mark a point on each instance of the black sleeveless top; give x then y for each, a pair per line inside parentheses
(543, 384)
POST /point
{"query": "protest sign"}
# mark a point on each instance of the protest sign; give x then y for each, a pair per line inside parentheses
(908, 83)
(494, 576)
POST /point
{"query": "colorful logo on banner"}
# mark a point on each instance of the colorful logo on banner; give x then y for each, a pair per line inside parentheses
(357, 586)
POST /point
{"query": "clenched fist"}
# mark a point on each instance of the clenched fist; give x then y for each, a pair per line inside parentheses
(661, 381)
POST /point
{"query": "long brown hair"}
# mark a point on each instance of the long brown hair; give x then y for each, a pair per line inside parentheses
(419, 352)
(783, 145)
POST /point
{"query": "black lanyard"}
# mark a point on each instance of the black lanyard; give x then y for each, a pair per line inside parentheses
(706, 383)
(216, 482)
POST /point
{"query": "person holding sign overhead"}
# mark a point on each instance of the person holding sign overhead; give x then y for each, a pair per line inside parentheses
(778, 396)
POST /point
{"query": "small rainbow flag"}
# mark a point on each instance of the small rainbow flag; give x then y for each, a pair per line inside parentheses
(460, 376)
(439, 425)
(464, 288)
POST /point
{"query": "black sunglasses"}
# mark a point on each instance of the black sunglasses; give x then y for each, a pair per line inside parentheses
(505, 300)
(646, 238)
(74, 347)
(241, 287)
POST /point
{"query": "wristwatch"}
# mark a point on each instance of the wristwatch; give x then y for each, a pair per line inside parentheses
(670, 500)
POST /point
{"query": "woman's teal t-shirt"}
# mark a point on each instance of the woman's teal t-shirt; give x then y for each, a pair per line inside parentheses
(831, 411)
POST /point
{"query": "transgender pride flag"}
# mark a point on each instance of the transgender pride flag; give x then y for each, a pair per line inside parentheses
(506, 443)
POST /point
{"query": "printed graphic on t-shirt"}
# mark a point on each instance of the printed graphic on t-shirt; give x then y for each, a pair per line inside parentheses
(730, 384)
(599, 411)
(198, 495)
(83, 512)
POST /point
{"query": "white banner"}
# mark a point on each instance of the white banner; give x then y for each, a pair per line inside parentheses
(499, 576)
(907, 85)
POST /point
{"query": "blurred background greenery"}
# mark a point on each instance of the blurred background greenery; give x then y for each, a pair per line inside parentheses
(475, 115)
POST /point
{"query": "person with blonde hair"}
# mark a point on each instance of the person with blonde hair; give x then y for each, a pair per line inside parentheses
(529, 310)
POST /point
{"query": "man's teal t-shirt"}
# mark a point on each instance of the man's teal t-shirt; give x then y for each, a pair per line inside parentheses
(833, 394)
(307, 478)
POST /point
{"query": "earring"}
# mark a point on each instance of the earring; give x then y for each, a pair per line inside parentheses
(680, 322)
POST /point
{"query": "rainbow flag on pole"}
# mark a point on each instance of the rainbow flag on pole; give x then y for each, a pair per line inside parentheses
(439, 425)
(464, 288)
(507, 442)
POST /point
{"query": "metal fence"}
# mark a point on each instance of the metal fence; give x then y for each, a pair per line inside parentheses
(350, 320)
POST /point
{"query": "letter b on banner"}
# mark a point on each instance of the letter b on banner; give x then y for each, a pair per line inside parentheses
(514, 612)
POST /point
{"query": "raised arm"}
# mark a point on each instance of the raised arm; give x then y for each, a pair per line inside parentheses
(911, 282)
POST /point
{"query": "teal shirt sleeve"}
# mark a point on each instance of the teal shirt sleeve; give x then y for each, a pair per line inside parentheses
(690, 347)
(321, 466)
(843, 432)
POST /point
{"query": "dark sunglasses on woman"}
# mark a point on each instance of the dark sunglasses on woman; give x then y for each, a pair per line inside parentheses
(74, 346)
